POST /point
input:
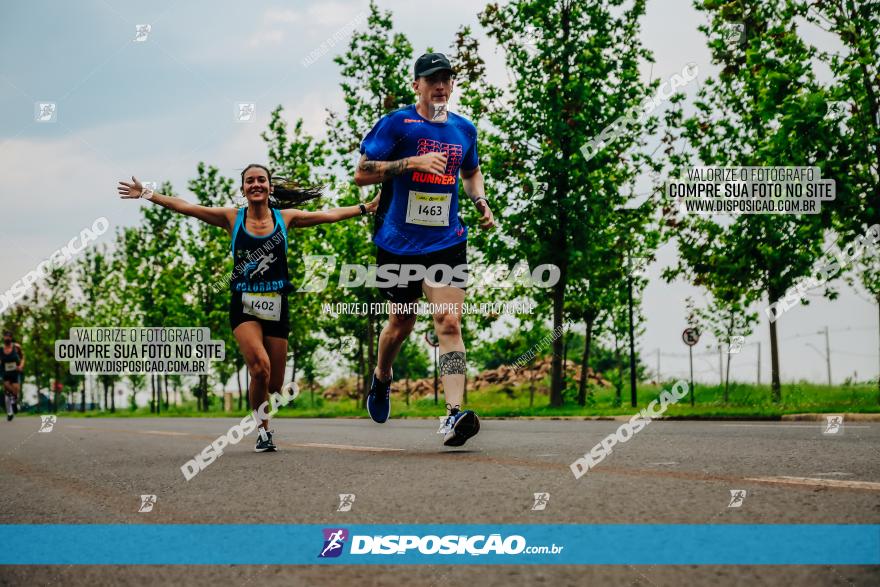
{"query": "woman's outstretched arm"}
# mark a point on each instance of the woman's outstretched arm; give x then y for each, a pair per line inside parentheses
(222, 217)
(303, 218)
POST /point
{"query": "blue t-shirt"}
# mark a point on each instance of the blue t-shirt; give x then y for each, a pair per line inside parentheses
(422, 216)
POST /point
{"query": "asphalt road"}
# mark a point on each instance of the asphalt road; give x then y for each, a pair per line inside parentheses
(91, 471)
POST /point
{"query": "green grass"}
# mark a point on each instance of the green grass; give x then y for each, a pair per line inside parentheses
(746, 401)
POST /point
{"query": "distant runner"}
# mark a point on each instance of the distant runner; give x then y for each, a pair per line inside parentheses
(12, 362)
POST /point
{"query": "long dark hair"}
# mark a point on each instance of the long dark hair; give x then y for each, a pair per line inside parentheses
(286, 193)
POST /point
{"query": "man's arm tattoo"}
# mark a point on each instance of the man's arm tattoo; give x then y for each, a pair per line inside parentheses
(395, 168)
(386, 169)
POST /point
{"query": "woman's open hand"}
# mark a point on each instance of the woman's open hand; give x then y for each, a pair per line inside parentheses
(130, 190)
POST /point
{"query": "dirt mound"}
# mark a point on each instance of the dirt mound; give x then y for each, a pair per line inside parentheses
(507, 375)
(503, 376)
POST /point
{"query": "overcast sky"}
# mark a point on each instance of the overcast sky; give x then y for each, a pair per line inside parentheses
(158, 107)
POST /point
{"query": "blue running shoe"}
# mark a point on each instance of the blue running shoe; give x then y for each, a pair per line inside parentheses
(463, 425)
(379, 400)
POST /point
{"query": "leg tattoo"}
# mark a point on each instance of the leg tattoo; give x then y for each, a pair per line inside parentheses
(452, 363)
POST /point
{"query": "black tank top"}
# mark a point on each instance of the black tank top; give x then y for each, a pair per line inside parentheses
(10, 358)
(259, 262)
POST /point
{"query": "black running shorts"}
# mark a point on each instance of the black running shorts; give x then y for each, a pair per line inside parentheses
(452, 257)
(276, 328)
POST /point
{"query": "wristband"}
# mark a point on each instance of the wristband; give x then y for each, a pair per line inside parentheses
(363, 209)
(477, 200)
(147, 194)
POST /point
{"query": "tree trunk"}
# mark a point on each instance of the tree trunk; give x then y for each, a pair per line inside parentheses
(562, 187)
(532, 387)
(775, 387)
(203, 383)
(82, 401)
(565, 339)
(556, 379)
(618, 383)
(585, 360)
(57, 379)
(632, 346)
(727, 377)
(113, 397)
(729, 357)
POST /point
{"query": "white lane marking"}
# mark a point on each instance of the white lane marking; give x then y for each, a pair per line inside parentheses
(787, 425)
(302, 445)
(158, 432)
(343, 447)
(786, 480)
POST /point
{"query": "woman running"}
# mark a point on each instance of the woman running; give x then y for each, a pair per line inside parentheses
(258, 310)
(12, 363)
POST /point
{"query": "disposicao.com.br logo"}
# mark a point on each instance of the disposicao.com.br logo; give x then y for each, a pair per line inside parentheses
(431, 544)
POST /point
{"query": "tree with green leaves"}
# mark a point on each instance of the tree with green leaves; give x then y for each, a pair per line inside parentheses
(854, 103)
(728, 319)
(302, 159)
(375, 74)
(100, 304)
(575, 68)
(207, 247)
(155, 274)
(60, 316)
(765, 108)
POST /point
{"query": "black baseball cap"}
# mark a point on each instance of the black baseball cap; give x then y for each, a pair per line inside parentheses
(432, 63)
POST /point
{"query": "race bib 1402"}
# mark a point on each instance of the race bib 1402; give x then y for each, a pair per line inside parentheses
(266, 306)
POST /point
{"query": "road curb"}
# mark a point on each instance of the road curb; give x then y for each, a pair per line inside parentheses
(847, 417)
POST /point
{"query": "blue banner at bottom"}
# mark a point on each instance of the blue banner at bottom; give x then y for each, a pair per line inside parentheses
(516, 544)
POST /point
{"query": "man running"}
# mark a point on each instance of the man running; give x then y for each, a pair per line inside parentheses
(12, 363)
(416, 152)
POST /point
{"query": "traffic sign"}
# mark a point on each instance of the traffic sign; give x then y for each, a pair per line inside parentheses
(690, 336)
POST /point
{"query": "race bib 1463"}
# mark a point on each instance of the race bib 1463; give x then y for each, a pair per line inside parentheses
(428, 209)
